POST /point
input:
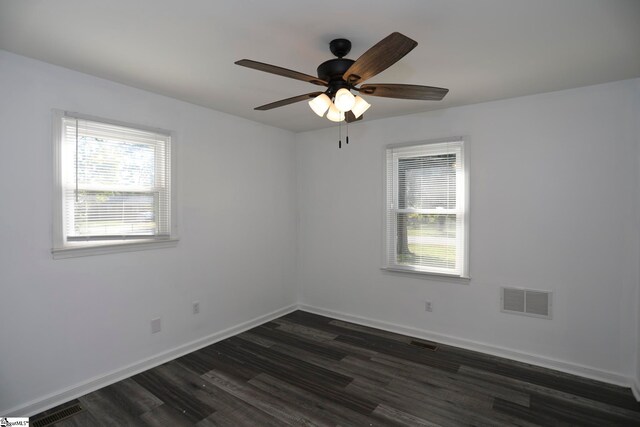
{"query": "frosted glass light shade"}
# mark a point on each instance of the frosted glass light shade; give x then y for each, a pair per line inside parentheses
(334, 114)
(360, 106)
(320, 104)
(344, 100)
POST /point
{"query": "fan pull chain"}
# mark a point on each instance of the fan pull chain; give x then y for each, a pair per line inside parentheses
(347, 132)
(339, 134)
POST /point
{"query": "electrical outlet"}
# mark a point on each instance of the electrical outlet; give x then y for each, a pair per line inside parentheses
(155, 325)
(428, 306)
(196, 307)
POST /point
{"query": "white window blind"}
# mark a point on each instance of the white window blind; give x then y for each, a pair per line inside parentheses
(426, 212)
(115, 183)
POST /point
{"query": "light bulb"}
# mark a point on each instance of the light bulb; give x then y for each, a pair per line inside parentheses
(334, 114)
(360, 106)
(320, 104)
(344, 100)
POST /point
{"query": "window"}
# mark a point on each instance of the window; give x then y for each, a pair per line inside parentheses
(113, 187)
(426, 208)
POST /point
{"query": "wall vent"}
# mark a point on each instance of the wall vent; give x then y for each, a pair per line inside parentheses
(57, 415)
(425, 345)
(527, 302)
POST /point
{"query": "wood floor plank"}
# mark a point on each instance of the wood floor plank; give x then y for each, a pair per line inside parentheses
(420, 409)
(352, 350)
(303, 331)
(579, 413)
(563, 382)
(397, 416)
(304, 375)
(226, 362)
(321, 418)
(314, 403)
(129, 396)
(280, 336)
(372, 331)
(306, 369)
(198, 362)
(177, 395)
(552, 393)
(247, 416)
(233, 410)
(256, 339)
(405, 351)
(230, 410)
(526, 413)
(253, 396)
(538, 375)
(348, 366)
(427, 404)
(280, 365)
(301, 316)
(105, 410)
(426, 391)
(449, 381)
(164, 415)
(472, 405)
(365, 368)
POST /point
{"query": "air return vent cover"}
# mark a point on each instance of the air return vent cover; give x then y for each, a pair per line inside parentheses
(57, 415)
(527, 302)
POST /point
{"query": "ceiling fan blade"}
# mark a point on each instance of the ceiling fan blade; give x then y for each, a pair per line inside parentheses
(425, 93)
(288, 101)
(267, 68)
(350, 117)
(384, 54)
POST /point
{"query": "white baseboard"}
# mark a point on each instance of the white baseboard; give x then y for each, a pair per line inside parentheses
(568, 367)
(61, 396)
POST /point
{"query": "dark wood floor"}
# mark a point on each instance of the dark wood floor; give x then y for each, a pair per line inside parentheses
(305, 369)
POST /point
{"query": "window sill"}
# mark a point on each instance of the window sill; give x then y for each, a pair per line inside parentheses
(427, 275)
(110, 248)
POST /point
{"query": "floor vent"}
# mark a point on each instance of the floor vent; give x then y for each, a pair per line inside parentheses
(527, 302)
(426, 345)
(58, 416)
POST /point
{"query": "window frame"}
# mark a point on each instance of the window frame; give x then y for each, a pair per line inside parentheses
(390, 243)
(64, 249)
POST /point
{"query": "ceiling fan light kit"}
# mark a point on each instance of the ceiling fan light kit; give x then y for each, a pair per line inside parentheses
(359, 107)
(320, 104)
(334, 114)
(344, 100)
(341, 75)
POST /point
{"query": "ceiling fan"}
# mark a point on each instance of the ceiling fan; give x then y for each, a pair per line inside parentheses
(341, 75)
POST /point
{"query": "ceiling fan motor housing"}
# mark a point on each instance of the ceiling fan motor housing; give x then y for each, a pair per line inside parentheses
(332, 70)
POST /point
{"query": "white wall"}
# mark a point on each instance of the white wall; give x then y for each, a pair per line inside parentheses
(636, 388)
(554, 206)
(63, 322)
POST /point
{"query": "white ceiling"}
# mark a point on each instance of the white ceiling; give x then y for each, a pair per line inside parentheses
(480, 49)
